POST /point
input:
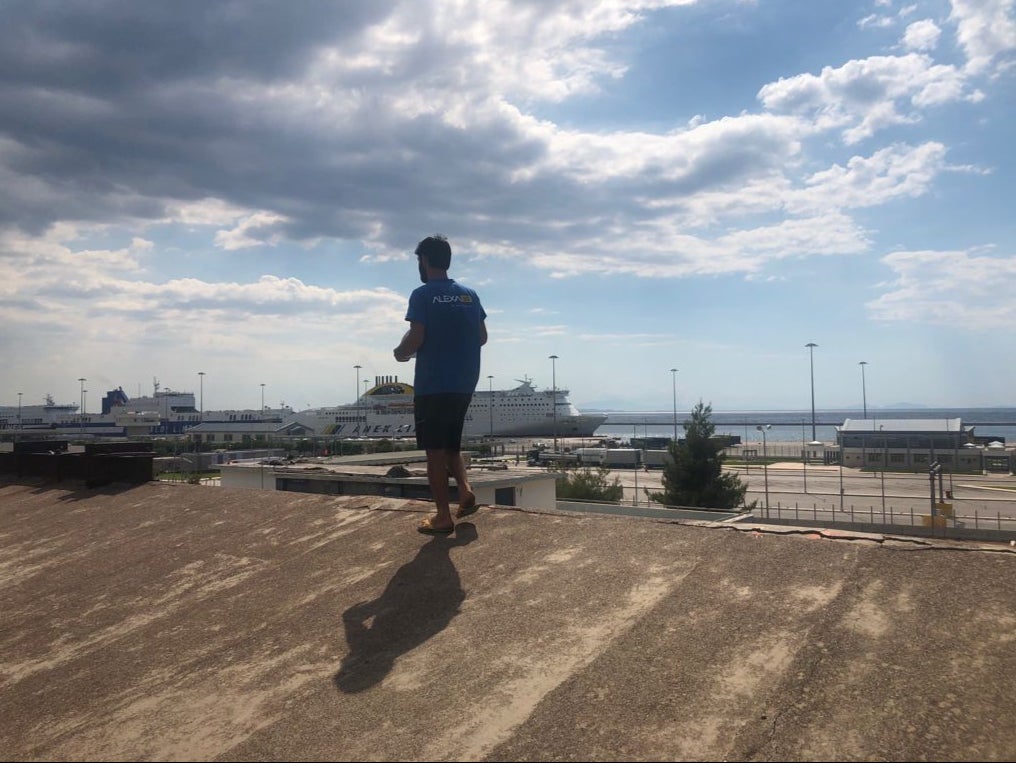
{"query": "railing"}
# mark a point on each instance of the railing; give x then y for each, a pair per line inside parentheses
(913, 520)
(981, 525)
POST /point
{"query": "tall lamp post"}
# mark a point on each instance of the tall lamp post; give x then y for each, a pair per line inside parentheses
(201, 399)
(553, 373)
(673, 384)
(490, 402)
(765, 461)
(864, 392)
(885, 458)
(19, 410)
(841, 479)
(811, 353)
(635, 469)
(804, 458)
(262, 399)
(81, 381)
(356, 393)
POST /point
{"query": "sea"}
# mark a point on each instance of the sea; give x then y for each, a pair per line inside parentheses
(796, 426)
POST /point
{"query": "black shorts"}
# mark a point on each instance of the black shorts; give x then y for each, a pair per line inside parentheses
(439, 420)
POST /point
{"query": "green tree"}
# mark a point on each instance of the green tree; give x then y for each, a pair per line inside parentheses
(694, 475)
(588, 484)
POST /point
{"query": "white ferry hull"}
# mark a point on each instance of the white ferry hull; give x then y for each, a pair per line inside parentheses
(583, 425)
(387, 411)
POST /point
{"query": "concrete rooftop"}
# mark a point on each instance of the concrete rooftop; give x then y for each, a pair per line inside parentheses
(182, 622)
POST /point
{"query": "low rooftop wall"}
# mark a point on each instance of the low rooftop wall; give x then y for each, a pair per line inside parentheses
(122, 462)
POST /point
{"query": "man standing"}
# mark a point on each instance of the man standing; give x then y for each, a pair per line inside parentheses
(446, 330)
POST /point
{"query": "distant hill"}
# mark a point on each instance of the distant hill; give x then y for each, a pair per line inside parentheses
(606, 405)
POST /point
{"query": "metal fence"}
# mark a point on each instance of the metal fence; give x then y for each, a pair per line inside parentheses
(983, 525)
(979, 525)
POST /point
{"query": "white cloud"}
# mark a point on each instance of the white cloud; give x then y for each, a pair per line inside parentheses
(75, 287)
(30, 256)
(254, 230)
(921, 35)
(875, 21)
(865, 95)
(708, 155)
(207, 211)
(890, 173)
(986, 30)
(965, 289)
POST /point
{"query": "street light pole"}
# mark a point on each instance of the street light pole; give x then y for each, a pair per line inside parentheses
(804, 458)
(82, 381)
(864, 393)
(262, 400)
(356, 394)
(841, 478)
(673, 384)
(635, 468)
(885, 458)
(553, 371)
(490, 402)
(19, 411)
(811, 352)
(201, 410)
(765, 460)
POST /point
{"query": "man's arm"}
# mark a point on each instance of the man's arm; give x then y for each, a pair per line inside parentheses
(410, 343)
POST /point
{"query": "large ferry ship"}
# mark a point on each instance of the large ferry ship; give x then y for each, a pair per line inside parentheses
(385, 410)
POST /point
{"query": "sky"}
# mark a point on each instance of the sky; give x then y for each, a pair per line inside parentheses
(235, 189)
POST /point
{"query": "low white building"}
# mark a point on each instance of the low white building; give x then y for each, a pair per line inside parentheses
(394, 475)
(246, 433)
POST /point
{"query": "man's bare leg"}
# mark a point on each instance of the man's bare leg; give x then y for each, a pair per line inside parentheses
(437, 478)
(457, 467)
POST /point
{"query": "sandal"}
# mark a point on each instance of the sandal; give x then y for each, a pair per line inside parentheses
(467, 508)
(427, 528)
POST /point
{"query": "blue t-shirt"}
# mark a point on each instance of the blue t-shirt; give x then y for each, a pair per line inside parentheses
(449, 358)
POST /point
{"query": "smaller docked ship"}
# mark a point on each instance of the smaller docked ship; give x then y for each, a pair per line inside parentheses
(33, 416)
(164, 412)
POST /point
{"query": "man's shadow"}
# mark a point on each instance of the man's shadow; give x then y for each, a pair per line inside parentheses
(419, 601)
